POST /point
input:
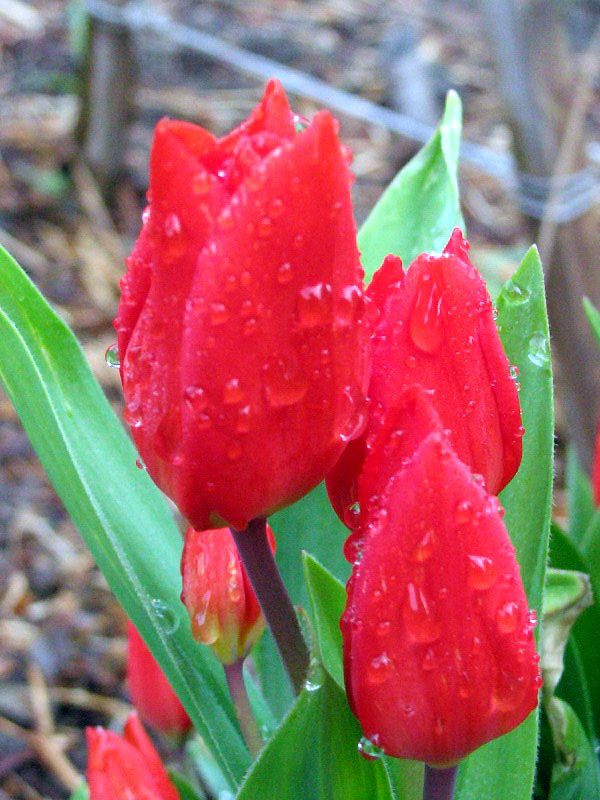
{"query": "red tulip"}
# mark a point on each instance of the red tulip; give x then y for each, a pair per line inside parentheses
(437, 329)
(217, 593)
(150, 691)
(439, 652)
(121, 767)
(241, 330)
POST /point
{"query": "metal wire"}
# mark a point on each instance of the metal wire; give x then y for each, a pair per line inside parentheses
(578, 191)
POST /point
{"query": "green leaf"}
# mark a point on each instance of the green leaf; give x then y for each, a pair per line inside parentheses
(593, 316)
(580, 498)
(81, 793)
(119, 512)
(420, 208)
(314, 754)
(328, 600)
(580, 683)
(577, 773)
(568, 593)
(523, 326)
(184, 788)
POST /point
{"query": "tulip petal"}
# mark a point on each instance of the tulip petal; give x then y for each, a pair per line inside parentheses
(439, 653)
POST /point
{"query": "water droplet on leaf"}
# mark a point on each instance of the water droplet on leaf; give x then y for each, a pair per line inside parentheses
(168, 619)
(369, 750)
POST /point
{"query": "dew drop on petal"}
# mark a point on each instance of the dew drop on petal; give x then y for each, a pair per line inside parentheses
(314, 305)
(464, 512)
(284, 382)
(418, 616)
(425, 324)
(507, 617)
(425, 546)
(195, 399)
(300, 123)
(234, 450)
(233, 393)
(172, 225)
(380, 669)
(285, 273)
(482, 572)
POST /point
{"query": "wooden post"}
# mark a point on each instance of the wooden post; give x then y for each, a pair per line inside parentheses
(544, 101)
(107, 92)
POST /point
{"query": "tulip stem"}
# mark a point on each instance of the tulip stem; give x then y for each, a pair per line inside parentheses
(439, 782)
(255, 552)
(234, 673)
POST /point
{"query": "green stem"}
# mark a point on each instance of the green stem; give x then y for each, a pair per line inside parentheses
(439, 782)
(255, 552)
(234, 673)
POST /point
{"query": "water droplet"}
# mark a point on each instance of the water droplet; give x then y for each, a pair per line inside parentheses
(250, 326)
(465, 686)
(225, 219)
(169, 620)
(201, 183)
(265, 227)
(111, 356)
(246, 278)
(482, 572)
(538, 351)
(133, 415)
(295, 183)
(507, 617)
(425, 324)
(284, 382)
(383, 628)
(439, 726)
(232, 393)
(348, 305)
(298, 241)
(515, 294)
(256, 177)
(276, 207)
(314, 305)
(429, 662)
(425, 547)
(146, 215)
(300, 123)
(218, 314)
(509, 691)
(410, 361)
(380, 669)
(172, 225)
(369, 750)
(167, 438)
(285, 273)
(464, 512)
(244, 420)
(352, 516)
(206, 628)
(315, 676)
(195, 399)
(234, 450)
(418, 616)
(140, 464)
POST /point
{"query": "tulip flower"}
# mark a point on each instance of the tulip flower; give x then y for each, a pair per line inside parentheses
(126, 766)
(241, 331)
(439, 652)
(223, 608)
(437, 329)
(150, 691)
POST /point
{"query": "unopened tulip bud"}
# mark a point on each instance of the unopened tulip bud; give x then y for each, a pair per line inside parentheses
(223, 608)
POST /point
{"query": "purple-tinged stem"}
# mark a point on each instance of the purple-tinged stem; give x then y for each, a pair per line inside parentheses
(234, 674)
(259, 562)
(439, 782)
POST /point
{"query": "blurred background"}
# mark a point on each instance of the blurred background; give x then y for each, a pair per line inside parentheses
(81, 88)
